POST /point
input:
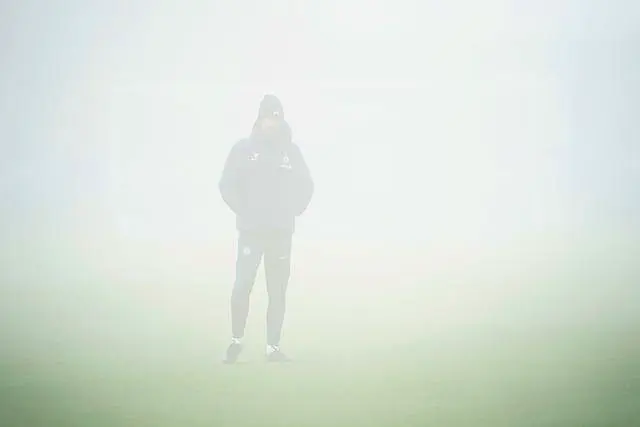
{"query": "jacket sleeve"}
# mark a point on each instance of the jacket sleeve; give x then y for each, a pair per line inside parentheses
(303, 186)
(229, 184)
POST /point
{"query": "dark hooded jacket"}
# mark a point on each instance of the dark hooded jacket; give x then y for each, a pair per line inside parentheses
(266, 181)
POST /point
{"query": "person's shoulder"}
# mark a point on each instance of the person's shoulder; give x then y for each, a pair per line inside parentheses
(295, 147)
(241, 144)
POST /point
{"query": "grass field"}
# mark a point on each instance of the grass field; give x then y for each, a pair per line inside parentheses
(539, 336)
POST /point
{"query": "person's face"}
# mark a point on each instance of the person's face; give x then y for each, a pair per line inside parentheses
(270, 124)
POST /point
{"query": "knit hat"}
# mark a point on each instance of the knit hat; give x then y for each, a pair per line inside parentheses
(270, 106)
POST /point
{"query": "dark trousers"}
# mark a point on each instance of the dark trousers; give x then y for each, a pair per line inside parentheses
(275, 247)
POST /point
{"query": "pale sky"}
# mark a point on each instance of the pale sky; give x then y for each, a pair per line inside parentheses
(445, 119)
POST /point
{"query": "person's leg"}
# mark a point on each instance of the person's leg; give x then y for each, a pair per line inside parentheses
(277, 270)
(248, 259)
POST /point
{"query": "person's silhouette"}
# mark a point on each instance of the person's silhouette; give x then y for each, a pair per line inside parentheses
(267, 184)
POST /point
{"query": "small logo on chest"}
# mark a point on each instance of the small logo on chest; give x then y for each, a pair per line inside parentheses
(254, 156)
(285, 162)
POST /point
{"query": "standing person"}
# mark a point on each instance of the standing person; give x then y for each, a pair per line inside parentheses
(267, 184)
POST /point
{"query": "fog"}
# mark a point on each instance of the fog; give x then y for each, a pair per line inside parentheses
(470, 256)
